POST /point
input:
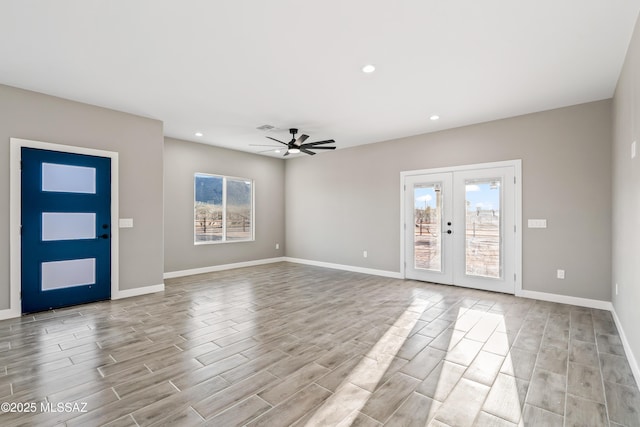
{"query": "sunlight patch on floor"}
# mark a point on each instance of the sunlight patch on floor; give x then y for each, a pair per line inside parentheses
(343, 406)
(461, 376)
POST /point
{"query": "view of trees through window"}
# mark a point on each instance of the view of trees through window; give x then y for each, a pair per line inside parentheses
(223, 209)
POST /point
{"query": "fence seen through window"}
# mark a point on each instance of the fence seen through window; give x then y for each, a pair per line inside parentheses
(223, 209)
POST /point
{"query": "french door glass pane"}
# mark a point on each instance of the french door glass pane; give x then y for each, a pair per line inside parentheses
(483, 237)
(239, 219)
(427, 242)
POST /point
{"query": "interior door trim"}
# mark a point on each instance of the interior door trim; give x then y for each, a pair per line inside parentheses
(15, 213)
(517, 167)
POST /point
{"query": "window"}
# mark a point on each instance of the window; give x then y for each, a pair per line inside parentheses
(223, 209)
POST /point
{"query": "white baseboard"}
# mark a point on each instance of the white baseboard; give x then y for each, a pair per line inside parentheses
(564, 299)
(202, 270)
(9, 313)
(13, 313)
(633, 362)
(127, 293)
(374, 272)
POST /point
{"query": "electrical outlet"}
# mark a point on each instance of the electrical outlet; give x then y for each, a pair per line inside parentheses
(277, 245)
(560, 274)
(365, 254)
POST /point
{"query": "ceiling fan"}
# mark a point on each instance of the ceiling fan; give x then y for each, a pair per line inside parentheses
(298, 145)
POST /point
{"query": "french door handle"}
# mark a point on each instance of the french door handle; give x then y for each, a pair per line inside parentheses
(449, 231)
(104, 236)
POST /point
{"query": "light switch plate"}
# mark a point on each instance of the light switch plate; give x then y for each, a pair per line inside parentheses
(537, 223)
(633, 149)
(126, 223)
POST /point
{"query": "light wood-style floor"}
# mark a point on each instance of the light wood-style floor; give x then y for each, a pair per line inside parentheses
(286, 344)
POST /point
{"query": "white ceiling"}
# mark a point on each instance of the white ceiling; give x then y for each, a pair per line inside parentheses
(227, 67)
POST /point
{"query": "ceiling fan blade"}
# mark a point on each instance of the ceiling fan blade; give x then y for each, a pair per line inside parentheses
(319, 148)
(328, 141)
(301, 140)
(286, 153)
(276, 140)
(307, 151)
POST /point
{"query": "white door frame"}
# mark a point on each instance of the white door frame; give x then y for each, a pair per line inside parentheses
(15, 214)
(516, 164)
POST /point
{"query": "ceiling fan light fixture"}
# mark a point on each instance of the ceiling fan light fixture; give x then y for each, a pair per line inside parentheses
(293, 150)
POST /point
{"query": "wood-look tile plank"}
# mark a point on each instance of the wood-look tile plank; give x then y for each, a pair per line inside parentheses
(294, 408)
(487, 420)
(469, 392)
(333, 379)
(388, 397)
(421, 365)
(240, 413)
(616, 369)
(211, 405)
(134, 385)
(504, 399)
(187, 418)
(111, 368)
(547, 391)
(623, 404)
(254, 365)
(416, 411)
(441, 381)
(178, 403)
(293, 383)
(125, 406)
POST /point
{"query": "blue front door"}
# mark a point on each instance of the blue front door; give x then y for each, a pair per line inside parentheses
(66, 229)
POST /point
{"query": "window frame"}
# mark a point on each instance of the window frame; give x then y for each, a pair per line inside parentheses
(224, 238)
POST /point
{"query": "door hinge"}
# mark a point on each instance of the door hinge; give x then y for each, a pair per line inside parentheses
(405, 187)
(405, 225)
(20, 164)
(514, 277)
(514, 228)
(21, 230)
(514, 179)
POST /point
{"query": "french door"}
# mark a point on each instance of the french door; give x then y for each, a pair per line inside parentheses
(66, 229)
(460, 228)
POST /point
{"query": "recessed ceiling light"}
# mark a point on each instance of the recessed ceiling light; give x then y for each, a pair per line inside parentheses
(199, 134)
(369, 68)
(434, 117)
(277, 151)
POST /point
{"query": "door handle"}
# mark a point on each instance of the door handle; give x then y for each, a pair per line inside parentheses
(104, 236)
(449, 231)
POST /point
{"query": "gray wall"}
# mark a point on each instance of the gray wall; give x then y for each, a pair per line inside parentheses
(626, 195)
(182, 160)
(341, 203)
(31, 115)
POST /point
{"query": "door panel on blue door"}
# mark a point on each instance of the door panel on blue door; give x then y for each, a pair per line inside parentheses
(66, 229)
